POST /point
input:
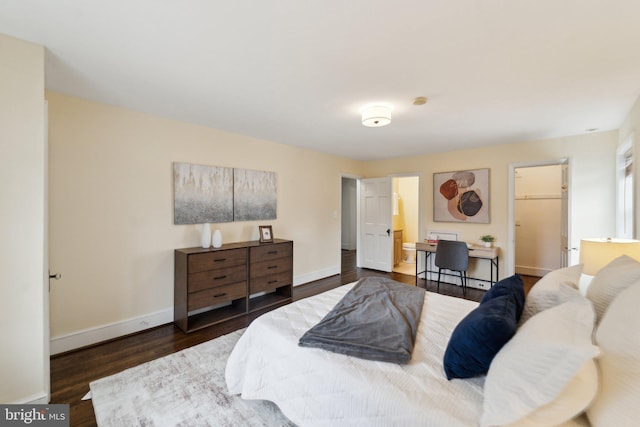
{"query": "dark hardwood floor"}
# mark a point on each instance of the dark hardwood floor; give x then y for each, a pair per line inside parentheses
(72, 372)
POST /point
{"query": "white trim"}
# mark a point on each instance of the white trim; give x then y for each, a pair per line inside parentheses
(85, 337)
(626, 146)
(97, 334)
(316, 275)
(35, 399)
(46, 285)
(357, 178)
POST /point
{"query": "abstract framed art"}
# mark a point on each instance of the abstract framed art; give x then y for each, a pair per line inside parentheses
(461, 196)
(213, 194)
(202, 194)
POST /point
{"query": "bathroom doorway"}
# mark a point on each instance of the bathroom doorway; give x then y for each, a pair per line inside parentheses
(406, 224)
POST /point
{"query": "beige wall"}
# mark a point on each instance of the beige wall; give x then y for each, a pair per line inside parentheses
(111, 215)
(111, 220)
(592, 176)
(23, 364)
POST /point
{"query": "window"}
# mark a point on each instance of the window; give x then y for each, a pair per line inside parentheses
(625, 204)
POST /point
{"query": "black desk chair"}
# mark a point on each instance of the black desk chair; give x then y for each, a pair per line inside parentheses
(454, 256)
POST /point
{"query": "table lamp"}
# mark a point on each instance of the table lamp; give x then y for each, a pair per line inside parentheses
(597, 252)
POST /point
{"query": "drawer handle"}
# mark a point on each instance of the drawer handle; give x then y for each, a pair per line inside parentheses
(219, 260)
(271, 267)
(219, 277)
(272, 253)
(219, 295)
(271, 282)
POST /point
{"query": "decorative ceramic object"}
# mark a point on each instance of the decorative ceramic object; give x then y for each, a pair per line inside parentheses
(205, 237)
(216, 238)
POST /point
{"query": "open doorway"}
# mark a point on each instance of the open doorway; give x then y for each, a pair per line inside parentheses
(405, 202)
(540, 218)
(349, 218)
(406, 191)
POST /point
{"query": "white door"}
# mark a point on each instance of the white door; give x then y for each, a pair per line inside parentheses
(376, 238)
(564, 219)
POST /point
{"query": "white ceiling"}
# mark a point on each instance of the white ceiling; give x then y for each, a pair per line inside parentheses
(298, 71)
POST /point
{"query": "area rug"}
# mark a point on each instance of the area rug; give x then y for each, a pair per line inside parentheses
(183, 389)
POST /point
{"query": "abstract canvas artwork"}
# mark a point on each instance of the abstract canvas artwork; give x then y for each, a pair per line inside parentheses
(202, 194)
(461, 196)
(213, 194)
(254, 195)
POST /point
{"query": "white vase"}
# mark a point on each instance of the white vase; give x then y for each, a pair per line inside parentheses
(488, 244)
(205, 237)
(216, 238)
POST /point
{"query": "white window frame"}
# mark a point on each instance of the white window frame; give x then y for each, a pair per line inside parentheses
(625, 203)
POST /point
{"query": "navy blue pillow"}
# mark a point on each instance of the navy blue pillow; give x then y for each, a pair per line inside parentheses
(509, 286)
(479, 336)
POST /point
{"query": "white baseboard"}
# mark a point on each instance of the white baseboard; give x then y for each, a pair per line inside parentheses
(316, 275)
(35, 399)
(83, 338)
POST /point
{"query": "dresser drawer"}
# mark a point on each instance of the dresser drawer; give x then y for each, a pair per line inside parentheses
(218, 295)
(264, 268)
(217, 259)
(268, 252)
(269, 283)
(218, 277)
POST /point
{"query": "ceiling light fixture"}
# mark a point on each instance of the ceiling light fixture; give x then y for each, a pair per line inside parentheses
(420, 100)
(376, 116)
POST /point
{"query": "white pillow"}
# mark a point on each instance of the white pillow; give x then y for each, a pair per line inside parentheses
(618, 335)
(533, 379)
(612, 279)
(549, 292)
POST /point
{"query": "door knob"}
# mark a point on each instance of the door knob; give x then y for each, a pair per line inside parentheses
(56, 276)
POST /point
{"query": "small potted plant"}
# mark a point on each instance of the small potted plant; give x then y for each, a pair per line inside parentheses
(488, 240)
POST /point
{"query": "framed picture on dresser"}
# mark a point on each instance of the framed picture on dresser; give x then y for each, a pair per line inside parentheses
(266, 234)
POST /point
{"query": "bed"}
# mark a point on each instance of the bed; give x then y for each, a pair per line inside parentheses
(314, 387)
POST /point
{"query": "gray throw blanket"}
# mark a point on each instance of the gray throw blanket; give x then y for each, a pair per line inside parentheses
(376, 320)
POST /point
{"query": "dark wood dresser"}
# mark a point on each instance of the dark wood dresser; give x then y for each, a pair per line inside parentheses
(214, 285)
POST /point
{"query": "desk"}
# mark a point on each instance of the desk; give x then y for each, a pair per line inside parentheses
(475, 251)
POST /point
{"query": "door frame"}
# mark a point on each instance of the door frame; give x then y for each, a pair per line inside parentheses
(357, 178)
(419, 175)
(46, 345)
(511, 226)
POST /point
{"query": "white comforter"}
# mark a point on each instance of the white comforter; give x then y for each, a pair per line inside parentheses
(315, 387)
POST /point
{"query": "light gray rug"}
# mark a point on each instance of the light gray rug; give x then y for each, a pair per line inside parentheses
(183, 389)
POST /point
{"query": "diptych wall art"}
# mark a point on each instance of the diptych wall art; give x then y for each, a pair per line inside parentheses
(212, 194)
(254, 195)
(461, 196)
